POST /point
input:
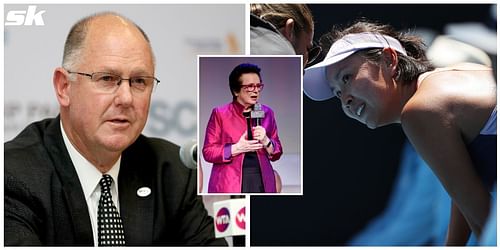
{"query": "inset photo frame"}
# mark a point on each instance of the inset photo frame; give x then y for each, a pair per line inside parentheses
(250, 125)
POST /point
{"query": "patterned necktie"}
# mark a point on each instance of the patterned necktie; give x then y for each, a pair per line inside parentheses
(109, 223)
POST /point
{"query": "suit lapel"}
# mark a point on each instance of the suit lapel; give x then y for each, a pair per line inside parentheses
(70, 183)
(137, 210)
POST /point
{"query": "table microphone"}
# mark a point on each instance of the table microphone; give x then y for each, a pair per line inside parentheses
(189, 154)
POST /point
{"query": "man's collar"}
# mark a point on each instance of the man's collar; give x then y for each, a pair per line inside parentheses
(88, 174)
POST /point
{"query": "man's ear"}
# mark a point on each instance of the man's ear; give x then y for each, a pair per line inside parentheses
(390, 59)
(287, 31)
(61, 86)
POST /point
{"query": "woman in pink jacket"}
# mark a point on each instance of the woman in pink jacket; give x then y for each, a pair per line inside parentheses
(240, 147)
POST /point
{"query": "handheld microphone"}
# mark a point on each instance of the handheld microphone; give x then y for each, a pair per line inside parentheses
(249, 125)
(257, 114)
(189, 154)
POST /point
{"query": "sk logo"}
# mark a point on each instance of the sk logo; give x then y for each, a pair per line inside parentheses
(25, 17)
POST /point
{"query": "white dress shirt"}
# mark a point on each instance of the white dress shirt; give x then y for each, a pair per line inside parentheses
(89, 177)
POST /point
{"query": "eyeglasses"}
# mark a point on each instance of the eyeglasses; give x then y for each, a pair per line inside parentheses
(109, 82)
(253, 86)
(313, 53)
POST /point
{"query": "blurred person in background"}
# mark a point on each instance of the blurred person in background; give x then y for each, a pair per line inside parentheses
(283, 29)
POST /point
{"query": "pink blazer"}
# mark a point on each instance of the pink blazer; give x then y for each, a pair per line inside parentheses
(225, 127)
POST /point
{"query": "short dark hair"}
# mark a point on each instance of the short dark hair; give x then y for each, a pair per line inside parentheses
(234, 77)
(409, 66)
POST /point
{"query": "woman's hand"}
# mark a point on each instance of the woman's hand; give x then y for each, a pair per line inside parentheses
(244, 145)
(259, 133)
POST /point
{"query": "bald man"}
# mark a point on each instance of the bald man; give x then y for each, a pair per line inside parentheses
(88, 177)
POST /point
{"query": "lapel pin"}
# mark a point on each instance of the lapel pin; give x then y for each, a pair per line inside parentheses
(143, 191)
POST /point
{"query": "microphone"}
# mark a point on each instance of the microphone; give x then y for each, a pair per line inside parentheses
(189, 154)
(248, 117)
(257, 113)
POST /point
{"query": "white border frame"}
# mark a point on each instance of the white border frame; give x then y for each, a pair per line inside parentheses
(301, 147)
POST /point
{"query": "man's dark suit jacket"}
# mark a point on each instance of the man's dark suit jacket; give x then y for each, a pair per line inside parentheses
(45, 204)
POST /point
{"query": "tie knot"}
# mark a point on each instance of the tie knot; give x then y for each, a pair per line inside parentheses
(105, 182)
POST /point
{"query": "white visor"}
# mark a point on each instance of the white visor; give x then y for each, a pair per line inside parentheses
(316, 84)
